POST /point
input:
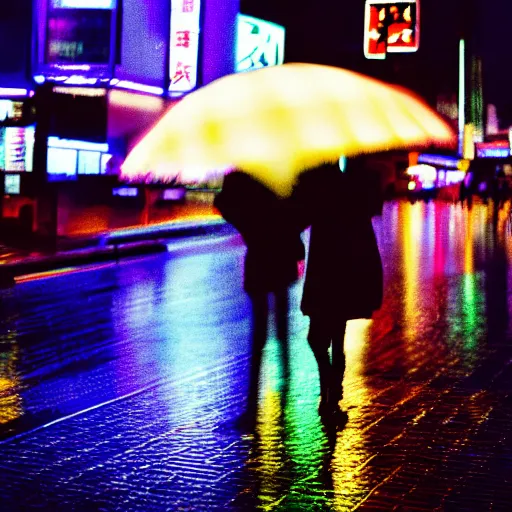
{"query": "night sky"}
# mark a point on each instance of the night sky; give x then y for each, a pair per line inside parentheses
(331, 32)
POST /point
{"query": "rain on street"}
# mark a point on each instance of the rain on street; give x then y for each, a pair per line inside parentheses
(121, 385)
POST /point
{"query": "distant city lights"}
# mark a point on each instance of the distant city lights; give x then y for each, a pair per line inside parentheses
(13, 92)
(83, 4)
(424, 172)
(125, 192)
(133, 86)
(449, 162)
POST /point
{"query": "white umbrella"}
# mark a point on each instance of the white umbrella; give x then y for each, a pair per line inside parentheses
(276, 122)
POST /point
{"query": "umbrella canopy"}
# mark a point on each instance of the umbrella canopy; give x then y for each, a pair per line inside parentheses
(276, 122)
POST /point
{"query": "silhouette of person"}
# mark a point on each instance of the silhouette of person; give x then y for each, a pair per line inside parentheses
(274, 248)
(463, 192)
(344, 277)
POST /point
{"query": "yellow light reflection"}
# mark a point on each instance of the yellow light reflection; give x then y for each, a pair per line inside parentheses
(10, 400)
(503, 219)
(505, 228)
(270, 427)
(412, 221)
(466, 304)
(350, 455)
(469, 266)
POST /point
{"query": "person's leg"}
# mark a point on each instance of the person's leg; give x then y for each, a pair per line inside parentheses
(319, 341)
(338, 361)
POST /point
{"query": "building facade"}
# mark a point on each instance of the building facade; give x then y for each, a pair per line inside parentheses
(80, 82)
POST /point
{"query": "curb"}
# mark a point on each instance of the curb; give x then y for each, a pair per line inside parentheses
(110, 248)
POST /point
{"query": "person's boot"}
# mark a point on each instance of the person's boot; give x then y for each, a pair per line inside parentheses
(334, 415)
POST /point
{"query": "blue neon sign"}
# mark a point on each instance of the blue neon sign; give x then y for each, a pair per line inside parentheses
(493, 153)
(441, 160)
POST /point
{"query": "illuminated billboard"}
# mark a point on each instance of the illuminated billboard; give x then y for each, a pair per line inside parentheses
(184, 47)
(78, 36)
(76, 40)
(11, 110)
(61, 164)
(391, 27)
(259, 43)
(68, 158)
(497, 149)
(17, 148)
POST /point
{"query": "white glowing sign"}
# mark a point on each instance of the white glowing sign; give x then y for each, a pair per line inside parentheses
(83, 4)
(6, 109)
(12, 184)
(454, 177)
(423, 171)
(259, 43)
(185, 27)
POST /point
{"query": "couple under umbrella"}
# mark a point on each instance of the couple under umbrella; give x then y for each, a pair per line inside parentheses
(273, 123)
(344, 272)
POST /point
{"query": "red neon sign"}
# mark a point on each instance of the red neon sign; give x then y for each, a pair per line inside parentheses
(391, 27)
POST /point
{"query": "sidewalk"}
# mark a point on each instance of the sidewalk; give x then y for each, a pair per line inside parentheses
(122, 390)
(107, 246)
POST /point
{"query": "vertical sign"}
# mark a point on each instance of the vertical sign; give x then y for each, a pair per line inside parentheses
(185, 27)
(477, 103)
(2, 149)
(19, 148)
(462, 94)
(391, 27)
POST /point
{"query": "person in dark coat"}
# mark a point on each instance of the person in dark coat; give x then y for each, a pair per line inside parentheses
(274, 248)
(344, 277)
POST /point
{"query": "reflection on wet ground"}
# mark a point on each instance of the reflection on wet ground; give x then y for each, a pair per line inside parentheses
(120, 388)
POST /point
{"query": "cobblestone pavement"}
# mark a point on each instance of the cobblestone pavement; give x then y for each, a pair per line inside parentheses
(121, 387)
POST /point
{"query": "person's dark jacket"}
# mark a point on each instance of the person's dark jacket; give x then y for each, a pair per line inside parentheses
(344, 277)
(269, 230)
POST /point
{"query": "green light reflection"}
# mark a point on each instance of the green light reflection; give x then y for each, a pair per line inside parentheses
(297, 466)
(292, 441)
(470, 310)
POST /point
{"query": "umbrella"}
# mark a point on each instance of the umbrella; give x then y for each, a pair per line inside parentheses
(276, 122)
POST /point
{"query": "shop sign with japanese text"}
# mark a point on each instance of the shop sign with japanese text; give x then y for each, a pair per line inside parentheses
(185, 28)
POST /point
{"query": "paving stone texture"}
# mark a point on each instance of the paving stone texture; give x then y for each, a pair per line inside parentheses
(121, 387)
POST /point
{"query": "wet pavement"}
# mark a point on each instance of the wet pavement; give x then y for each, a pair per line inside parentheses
(121, 385)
